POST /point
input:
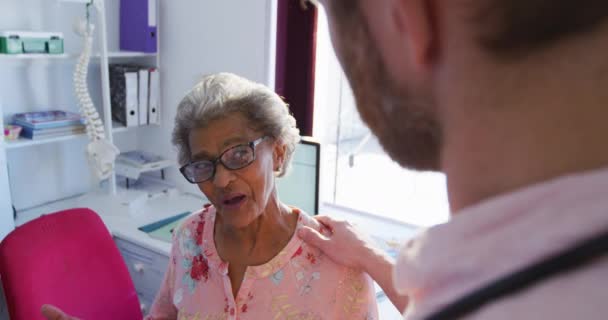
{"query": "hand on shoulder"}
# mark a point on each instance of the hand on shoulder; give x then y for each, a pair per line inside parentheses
(341, 241)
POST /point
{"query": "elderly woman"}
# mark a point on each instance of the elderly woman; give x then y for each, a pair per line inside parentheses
(240, 257)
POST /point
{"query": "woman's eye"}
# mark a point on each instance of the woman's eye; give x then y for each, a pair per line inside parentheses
(202, 166)
(240, 154)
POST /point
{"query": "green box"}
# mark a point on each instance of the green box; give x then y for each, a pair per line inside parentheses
(10, 44)
(16, 42)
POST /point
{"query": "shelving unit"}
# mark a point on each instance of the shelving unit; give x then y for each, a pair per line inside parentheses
(33, 56)
(34, 173)
(24, 142)
(65, 56)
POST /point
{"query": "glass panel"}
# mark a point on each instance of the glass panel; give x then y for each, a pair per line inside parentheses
(356, 172)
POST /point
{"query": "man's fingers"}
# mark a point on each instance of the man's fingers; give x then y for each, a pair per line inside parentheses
(312, 237)
(53, 313)
(327, 221)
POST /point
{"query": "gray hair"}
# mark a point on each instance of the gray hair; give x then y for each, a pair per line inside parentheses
(219, 95)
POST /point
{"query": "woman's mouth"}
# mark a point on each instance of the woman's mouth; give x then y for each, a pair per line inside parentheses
(234, 202)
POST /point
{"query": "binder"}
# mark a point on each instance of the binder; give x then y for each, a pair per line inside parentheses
(154, 101)
(132, 104)
(143, 97)
(138, 25)
(124, 94)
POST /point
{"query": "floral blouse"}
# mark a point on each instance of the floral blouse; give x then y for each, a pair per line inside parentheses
(298, 283)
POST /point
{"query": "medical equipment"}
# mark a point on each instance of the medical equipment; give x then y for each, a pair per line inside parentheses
(101, 153)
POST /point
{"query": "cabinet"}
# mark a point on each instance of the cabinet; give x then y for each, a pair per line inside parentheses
(146, 267)
(36, 172)
(6, 218)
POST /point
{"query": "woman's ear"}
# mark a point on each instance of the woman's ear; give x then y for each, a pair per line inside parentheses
(279, 152)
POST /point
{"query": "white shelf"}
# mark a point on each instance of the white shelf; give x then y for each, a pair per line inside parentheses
(68, 56)
(77, 1)
(127, 54)
(24, 142)
(117, 127)
(33, 56)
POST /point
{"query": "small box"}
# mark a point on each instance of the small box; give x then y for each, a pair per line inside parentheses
(15, 42)
(11, 132)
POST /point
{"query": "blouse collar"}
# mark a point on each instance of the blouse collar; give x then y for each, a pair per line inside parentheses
(259, 271)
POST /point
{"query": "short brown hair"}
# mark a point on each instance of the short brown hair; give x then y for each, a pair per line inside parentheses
(515, 27)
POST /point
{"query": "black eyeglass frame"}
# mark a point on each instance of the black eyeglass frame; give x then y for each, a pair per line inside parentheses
(214, 162)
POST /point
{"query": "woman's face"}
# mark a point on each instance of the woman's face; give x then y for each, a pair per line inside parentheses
(240, 196)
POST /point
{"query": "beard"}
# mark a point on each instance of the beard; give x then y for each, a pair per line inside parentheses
(404, 123)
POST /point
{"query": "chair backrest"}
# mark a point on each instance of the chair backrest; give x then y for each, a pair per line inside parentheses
(67, 259)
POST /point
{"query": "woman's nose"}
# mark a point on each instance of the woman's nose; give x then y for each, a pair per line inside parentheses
(222, 176)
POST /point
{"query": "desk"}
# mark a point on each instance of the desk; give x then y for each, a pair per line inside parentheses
(147, 258)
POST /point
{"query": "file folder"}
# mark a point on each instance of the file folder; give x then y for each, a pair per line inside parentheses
(131, 99)
(138, 25)
(154, 101)
(124, 94)
(143, 97)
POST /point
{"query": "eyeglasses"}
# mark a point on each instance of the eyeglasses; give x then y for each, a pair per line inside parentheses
(233, 158)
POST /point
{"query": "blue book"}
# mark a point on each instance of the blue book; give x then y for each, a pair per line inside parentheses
(47, 119)
(52, 132)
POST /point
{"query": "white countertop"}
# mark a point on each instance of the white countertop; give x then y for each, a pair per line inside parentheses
(125, 212)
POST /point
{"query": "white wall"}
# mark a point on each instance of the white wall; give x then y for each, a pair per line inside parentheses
(197, 37)
(201, 37)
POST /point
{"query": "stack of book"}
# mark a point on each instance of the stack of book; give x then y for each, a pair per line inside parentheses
(49, 124)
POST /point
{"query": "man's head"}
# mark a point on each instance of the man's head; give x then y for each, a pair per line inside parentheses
(401, 117)
(511, 29)
(393, 52)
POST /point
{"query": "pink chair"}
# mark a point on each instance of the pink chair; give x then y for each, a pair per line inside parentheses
(67, 259)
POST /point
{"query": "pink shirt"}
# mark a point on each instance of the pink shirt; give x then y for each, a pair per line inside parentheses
(299, 283)
(503, 234)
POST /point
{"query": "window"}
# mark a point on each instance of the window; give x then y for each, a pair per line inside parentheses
(356, 172)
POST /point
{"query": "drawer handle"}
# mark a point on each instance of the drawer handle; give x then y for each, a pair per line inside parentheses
(139, 267)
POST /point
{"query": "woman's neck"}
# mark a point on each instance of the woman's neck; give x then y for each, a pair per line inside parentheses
(259, 241)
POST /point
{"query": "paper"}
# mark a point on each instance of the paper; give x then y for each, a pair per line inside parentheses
(163, 229)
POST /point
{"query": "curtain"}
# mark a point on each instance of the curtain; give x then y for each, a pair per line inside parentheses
(295, 59)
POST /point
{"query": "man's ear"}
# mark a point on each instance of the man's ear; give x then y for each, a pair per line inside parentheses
(405, 31)
(416, 20)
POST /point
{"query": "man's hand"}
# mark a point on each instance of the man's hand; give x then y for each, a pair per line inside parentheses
(53, 313)
(350, 247)
(342, 242)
